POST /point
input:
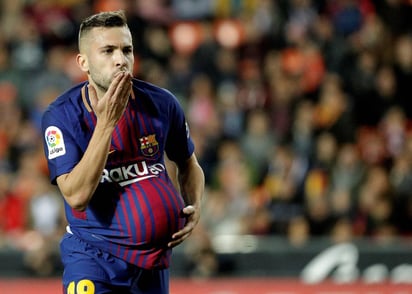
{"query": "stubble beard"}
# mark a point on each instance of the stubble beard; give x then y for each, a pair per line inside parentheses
(101, 83)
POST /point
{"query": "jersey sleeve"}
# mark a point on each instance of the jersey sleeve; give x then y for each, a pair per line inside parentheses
(179, 144)
(60, 147)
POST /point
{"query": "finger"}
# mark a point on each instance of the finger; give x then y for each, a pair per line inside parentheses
(114, 85)
(189, 209)
(179, 240)
(127, 87)
(123, 89)
(186, 230)
(174, 243)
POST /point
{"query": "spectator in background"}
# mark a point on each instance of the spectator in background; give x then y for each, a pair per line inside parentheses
(362, 85)
(342, 231)
(348, 171)
(372, 206)
(27, 53)
(180, 75)
(384, 93)
(225, 68)
(302, 131)
(325, 152)
(8, 74)
(53, 75)
(403, 71)
(283, 186)
(258, 141)
(230, 113)
(333, 110)
(251, 91)
(396, 15)
(298, 232)
(13, 208)
(229, 202)
(10, 120)
(47, 224)
(282, 101)
(201, 110)
(192, 9)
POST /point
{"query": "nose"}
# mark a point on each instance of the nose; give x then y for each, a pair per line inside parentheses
(119, 58)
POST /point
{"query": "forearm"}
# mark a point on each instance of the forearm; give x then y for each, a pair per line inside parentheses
(192, 182)
(79, 185)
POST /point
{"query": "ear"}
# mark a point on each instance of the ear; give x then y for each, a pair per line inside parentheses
(81, 60)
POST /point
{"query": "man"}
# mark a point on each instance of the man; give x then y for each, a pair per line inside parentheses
(105, 142)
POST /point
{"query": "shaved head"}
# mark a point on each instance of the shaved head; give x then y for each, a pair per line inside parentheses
(101, 20)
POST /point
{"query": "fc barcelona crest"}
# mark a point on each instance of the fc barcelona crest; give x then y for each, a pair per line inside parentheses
(149, 145)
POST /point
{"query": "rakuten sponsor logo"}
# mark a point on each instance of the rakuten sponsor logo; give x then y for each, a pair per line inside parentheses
(126, 175)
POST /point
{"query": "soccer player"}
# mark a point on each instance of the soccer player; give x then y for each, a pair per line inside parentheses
(105, 141)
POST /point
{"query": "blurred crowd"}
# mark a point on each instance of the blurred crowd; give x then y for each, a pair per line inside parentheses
(301, 112)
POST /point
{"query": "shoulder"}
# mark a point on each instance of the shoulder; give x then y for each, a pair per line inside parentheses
(64, 108)
(155, 93)
(66, 99)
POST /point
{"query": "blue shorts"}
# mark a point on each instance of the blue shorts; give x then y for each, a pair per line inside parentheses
(88, 270)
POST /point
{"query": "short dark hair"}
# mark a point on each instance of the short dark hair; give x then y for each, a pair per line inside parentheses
(102, 19)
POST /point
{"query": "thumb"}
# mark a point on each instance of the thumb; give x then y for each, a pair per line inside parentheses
(188, 210)
(92, 96)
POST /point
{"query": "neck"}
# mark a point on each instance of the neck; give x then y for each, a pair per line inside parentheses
(100, 91)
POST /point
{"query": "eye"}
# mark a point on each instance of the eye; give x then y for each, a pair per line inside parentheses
(127, 50)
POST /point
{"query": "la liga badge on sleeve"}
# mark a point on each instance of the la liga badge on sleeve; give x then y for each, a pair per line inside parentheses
(55, 142)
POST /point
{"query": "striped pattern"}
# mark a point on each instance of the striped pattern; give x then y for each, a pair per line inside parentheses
(136, 209)
(147, 211)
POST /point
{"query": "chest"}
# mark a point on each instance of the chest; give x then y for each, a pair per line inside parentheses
(139, 135)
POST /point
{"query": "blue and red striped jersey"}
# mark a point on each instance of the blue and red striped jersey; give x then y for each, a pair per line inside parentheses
(135, 209)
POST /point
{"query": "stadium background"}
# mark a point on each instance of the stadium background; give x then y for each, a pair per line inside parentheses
(301, 112)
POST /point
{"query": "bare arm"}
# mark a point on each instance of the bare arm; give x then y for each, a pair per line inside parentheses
(192, 182)
(79, 185)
